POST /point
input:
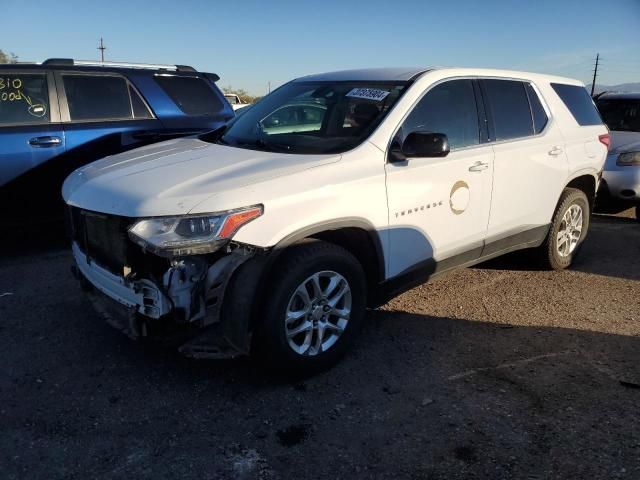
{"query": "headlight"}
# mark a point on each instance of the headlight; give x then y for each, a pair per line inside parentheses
(191, 234)
(628, 159)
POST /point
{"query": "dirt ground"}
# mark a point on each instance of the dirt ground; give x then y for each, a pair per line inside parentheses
(499, 372)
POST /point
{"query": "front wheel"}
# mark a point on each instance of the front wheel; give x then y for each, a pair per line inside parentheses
(313, 308)
(568, 230)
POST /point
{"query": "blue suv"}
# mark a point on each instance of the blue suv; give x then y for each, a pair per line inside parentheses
(61, 114)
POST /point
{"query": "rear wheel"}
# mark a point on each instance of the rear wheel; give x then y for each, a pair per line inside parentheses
(314, 308)
(568, 230)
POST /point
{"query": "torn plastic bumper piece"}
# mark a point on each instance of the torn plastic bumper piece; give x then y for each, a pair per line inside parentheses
(204, 310)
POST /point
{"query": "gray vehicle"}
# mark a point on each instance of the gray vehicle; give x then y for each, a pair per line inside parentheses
(620, 186)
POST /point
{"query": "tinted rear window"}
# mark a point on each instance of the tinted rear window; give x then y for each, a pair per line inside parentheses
(24, 98)
(100, 97)
(509, 107)
(579, 103)
(193, 95)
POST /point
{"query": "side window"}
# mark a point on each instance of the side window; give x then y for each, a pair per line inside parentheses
(284, 117)
(138, 107)
(312, 115)
(579, 103)
(509, 105)
(294, 118)
(100, 97)
(24, 98)
(193, 95)
(540, 118)
(448, 108)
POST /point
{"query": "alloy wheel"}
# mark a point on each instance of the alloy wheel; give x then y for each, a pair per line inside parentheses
(570, 231)
(318, 313)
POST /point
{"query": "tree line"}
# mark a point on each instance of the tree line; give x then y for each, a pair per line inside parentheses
(8, 57)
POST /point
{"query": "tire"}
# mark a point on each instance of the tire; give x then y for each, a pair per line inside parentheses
(553, 253)
(301, 267)
(638, 213)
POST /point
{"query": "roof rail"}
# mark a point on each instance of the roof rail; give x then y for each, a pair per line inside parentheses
(68, 62)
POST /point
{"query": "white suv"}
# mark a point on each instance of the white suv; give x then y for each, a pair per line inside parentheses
(255, 238)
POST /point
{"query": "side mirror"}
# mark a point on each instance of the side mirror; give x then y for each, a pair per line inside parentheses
(425, 144)
(420, 144)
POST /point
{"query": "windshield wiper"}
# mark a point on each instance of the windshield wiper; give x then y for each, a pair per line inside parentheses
(262, 145)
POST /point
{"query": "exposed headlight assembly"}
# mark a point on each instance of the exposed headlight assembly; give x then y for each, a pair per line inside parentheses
(191, 234)
(628, 159)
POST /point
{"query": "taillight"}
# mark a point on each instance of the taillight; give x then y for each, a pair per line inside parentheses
(605, 139)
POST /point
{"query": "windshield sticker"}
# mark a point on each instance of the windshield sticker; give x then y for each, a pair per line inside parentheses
(368, 94)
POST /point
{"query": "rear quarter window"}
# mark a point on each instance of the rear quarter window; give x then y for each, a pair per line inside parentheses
(193, 95)
(540, 118)
(579, 103)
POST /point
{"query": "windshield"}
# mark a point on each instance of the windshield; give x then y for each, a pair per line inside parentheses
(313, 117)
(620, 115)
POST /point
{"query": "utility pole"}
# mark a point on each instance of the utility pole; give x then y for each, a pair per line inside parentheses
(102, 48)
(269, 86)
(595, 74)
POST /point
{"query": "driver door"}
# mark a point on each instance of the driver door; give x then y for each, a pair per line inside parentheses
(439, 207)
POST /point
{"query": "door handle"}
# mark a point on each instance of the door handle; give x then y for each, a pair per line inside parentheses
(555, 151)
(45, 142)
(478, 167)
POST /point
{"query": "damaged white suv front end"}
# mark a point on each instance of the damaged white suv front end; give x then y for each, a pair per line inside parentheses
(167, 276)
(167, 273)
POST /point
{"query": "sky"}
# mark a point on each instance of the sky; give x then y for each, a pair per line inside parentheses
(250, 43)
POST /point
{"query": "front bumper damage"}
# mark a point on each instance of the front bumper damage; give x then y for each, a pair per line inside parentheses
(199, 305)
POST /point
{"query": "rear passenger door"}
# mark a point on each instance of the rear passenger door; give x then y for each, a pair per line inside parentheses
(103, 114)
(30, 130)
(530, 165)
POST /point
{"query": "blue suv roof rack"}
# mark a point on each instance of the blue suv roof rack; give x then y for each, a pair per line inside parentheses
(69, 62)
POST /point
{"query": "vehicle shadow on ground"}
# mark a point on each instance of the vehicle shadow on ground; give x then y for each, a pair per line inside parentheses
(34, 240)
(418, 397)
(612, 248)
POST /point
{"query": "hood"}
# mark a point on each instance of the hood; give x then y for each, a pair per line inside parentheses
(624, 142)
(172, 177)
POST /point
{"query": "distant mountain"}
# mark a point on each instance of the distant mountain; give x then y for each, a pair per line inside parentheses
(623, 87)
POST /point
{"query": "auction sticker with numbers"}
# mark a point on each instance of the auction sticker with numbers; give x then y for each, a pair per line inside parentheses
(368, 93)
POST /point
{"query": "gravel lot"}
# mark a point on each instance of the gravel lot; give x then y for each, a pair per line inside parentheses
(498, 372)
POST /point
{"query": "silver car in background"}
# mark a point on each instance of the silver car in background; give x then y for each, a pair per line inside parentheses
(620, 188)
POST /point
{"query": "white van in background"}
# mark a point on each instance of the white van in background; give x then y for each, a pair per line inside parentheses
(235, 101)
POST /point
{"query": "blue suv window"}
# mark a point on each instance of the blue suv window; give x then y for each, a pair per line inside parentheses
(102, 97)
(24, 98)
(192, 94)
(97, 97)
